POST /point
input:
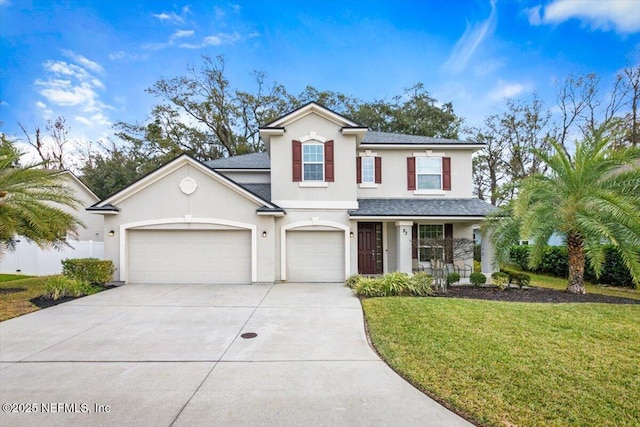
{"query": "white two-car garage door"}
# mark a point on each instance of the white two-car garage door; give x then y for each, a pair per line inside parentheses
(315, 256)
(194, 256)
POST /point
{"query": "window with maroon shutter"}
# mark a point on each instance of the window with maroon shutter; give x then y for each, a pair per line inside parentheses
(328, 161)
(297, 161)
(378, 170)
(446, 173)
(411, 173)
(358, 170)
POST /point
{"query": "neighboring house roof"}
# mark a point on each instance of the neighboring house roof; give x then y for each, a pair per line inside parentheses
(244, 161)
(261, 190)
(422, 207)
(374, 137)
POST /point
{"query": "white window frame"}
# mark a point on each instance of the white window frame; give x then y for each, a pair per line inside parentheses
(428, 246)
(309, 144)
(418, 174)
(368, 162)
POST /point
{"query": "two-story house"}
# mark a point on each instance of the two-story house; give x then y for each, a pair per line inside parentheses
(327, 199)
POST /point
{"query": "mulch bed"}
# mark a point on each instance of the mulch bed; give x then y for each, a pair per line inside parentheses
(531, 295)
(41, 302)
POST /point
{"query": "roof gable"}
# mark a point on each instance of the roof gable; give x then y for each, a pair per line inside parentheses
(163, 171)
(312, 108)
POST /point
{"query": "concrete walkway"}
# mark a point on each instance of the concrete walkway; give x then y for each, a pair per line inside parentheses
(173, 355)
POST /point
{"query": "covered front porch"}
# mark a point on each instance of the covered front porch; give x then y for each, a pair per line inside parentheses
(437, 239)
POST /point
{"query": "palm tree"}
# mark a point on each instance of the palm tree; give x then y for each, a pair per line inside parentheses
(32, 202)
(592, 199)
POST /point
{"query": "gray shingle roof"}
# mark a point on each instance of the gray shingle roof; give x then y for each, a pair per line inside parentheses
(261, 190)
(244, 161)
(373, 137)
(422, 207)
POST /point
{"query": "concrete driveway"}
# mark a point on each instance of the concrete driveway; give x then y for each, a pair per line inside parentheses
(173, 355)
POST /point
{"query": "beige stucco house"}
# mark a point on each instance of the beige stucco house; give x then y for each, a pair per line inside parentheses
(326, 200)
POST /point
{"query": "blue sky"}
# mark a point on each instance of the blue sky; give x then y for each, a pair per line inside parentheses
(91, 61)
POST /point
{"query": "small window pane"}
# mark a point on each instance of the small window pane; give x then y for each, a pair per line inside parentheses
(430, 165)
(368, 169)
(313, 172)
(429, 182)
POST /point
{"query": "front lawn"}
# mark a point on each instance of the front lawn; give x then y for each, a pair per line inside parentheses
(525, 364)
(15, 295)
(560, 283)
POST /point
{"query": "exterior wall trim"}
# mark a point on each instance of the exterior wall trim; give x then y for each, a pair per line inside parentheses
(314, 222)
(187, 219)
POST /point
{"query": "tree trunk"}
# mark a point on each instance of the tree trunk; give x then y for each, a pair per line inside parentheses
(575, 245)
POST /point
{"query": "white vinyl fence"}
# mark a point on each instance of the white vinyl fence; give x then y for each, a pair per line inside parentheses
(29, 259)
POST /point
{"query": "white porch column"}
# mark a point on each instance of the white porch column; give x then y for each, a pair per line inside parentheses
(404, 246)
(488, 254)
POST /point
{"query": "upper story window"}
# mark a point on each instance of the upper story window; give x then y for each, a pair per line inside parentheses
(313, 162)
(368, 170)
(429, 173)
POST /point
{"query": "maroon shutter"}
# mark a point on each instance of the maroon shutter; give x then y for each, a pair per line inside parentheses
(446, 173)
(411, 173)
(297, 161)
(414, 240)
(448, 246)
(378, 170)
(328, 161)
(358, 170)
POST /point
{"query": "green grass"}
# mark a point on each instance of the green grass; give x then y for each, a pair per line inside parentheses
(12, 277)
(15, 304)
(501, 363)
(559, 283)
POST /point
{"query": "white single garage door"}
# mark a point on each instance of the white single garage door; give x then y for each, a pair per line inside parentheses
(315, 256)
(194, 256)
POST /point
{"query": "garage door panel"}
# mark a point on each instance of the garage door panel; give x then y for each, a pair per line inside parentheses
(315, 256)
(182, 256)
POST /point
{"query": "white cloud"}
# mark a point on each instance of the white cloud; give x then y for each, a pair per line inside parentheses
(172, 16)
(83, 61)
(182, 33)
(218, 39)
(71, 88)
(534, 15)
(507, 90)
(469, 42)
(121, 54)
(623, 16)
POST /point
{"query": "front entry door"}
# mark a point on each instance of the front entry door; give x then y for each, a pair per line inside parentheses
(370, 248)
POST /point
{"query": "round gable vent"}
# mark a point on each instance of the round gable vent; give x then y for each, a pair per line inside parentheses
(188, 185)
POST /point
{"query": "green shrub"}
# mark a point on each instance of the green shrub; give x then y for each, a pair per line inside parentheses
(369, 287)
(421, 284)
(477, 267)
(500, 279)
(395, 283)
(555, 261)
(352, 281)
(520, 279)
(477, 279)
(58, 287)
(453, 278)
(88, 270)
(519, 255)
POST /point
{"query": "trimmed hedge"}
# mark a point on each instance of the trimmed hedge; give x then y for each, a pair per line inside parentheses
(555, 261)
(88, 270)
(392, 284)
(520, 279)
(477, 279)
